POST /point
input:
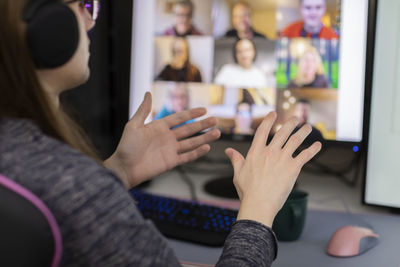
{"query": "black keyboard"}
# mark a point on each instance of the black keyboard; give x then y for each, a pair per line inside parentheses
(186, 220)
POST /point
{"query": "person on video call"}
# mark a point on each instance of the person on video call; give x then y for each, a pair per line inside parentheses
(241, 22)
(310, 71)
(243, 118)
(243, 73)
(302, 111)
(310, 26)
(178, 100)
(43, 150)
(180, 69)
(183, 12)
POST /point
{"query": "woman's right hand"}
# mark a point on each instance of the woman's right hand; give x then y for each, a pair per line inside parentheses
(265, 178)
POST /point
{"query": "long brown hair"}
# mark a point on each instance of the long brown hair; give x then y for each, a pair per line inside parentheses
(21, 94)
(191, 70)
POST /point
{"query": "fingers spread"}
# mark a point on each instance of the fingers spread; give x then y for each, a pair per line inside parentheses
(307, 154)
(236, 158)
(283, 133)
(297, 139)
(195, 142)
(194, 154)
(143, 111)
(195, 127)
(184, 116)
(261, 135)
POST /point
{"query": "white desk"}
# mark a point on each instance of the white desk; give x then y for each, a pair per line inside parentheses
(309, 250)
(327, 200)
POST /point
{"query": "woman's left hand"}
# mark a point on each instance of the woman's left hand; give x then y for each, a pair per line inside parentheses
(147, 150)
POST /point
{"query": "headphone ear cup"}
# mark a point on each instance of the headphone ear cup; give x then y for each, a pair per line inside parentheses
(53, 35)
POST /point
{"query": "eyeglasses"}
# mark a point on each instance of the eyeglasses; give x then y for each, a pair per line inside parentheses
(92, 6)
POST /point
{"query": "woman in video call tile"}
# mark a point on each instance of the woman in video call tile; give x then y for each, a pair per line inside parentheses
(310, 72)
(180, 69)
(311, 25)
(241, 21)
(183, 12)
(177, 100)
(243, 73)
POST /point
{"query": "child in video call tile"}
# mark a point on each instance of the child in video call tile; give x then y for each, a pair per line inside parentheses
(177, 101)
(311, 25)
(310, 73)
(180, 69)
(183, 12)
(243, 73)
(243, 119)
(241, 22)
(302, 111)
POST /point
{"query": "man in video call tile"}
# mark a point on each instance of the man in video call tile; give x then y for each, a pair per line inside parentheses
(241, 22)
(183, 11)
(311, 25)
(302, 111)
(177, 100)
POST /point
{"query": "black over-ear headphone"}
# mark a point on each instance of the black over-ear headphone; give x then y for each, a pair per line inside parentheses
(52, 32)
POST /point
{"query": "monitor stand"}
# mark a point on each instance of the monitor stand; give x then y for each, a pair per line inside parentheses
(222, 187)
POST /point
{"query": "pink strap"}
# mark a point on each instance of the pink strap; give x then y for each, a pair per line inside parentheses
(45, 211)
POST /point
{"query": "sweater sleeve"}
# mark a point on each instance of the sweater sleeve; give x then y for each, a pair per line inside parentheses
(98, 219)
(102, 227)
(249, 244)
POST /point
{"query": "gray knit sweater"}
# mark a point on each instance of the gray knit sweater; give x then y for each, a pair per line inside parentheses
(98, 219)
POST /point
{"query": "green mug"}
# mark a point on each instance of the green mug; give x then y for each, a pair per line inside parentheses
(289, 222)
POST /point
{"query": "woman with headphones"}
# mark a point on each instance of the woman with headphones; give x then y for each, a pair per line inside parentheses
(44, 50)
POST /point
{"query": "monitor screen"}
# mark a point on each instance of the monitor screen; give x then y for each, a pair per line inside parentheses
(241, 60)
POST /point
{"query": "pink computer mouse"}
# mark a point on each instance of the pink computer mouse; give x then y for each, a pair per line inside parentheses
(350, 241)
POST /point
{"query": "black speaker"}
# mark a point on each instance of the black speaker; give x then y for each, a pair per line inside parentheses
(52, 32)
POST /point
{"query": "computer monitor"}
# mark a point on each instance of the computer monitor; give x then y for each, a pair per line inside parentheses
(241, 60)
(325, 71)
(381, 182)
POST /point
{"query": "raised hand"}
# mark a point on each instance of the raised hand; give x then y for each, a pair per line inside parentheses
(146, 150)
(265, 178)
